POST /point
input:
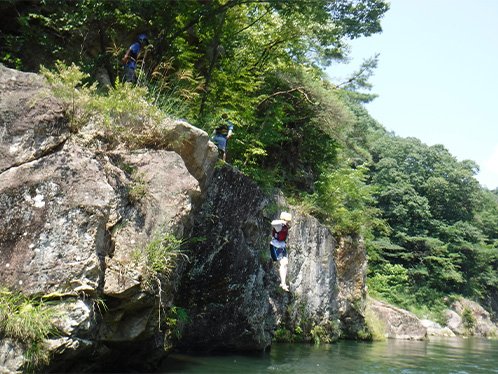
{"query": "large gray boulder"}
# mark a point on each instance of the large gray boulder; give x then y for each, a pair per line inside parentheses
(32, 122)
(466, 317)
(72, 218)
(55, 210)
(398, 323)
(195, 148)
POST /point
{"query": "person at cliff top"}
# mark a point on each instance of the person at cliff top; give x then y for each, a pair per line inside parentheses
(221, 134)
(131, 56)
(280, 229)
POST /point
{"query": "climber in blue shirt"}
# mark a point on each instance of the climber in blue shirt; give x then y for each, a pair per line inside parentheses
(221, 134)
(130, 58)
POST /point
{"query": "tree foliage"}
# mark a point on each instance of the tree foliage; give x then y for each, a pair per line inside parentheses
(441, 221)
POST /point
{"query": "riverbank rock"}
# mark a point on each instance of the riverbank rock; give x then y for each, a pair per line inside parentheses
(466, 317)
(398, 323)
(76, 223)
(435, 329)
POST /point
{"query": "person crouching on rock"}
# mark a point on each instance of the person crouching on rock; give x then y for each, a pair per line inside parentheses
(280, 229)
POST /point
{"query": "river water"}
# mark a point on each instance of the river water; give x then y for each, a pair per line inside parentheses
(449, 355)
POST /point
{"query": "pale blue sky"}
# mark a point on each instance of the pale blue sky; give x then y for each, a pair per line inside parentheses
(437, 77)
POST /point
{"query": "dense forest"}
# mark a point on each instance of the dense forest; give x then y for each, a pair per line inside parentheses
(431, 229)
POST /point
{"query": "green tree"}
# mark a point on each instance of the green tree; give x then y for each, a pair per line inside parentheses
(486, 216)
(440, 219)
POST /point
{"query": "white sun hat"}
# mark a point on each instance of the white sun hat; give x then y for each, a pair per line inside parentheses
(286, 216)
(277, 224)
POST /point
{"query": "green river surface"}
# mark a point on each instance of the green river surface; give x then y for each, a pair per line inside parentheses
(437, 355)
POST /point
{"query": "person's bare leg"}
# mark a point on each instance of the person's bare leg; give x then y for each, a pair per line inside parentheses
(283, 273)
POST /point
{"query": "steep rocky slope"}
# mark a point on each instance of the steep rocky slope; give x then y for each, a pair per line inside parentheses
(71, 219)
(231, 284)
(74, 217)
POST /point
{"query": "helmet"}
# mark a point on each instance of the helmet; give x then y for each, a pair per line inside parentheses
(142, 38)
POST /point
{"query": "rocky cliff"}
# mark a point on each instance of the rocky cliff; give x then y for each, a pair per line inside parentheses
(92, 229)
(231, 285)
(72, 218)
(80, 221)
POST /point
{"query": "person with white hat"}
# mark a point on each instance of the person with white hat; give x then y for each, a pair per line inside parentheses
(278, 245)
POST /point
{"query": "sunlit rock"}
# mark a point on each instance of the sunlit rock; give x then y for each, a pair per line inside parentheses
(398, 323)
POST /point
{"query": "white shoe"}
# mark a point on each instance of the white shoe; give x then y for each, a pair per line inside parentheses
(285, 287)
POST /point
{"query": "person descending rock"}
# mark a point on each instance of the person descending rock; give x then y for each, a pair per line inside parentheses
(221, 134)
(131, 56)
(280, 229)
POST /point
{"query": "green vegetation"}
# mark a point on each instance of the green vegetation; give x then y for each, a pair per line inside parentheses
(282, 335)
(438, 245)
(159, 259)
(375, 329)
(431, 230)
(176, 318)
(468, 319)
(299, 326)
(138, 188)
(325, 333)
(124, 114)
(29, 322)
(160, 255)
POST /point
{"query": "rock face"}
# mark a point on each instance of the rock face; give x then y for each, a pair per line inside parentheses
(466, 317)
(31, 120)
(11, 356)
(40, 201)
(231, 286)
(351, 275)
(227, 287)
(398, 323)
(72, 219)
(327, 281)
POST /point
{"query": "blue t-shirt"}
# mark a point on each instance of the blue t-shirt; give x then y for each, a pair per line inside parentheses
(135, 50)
(221, 135)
